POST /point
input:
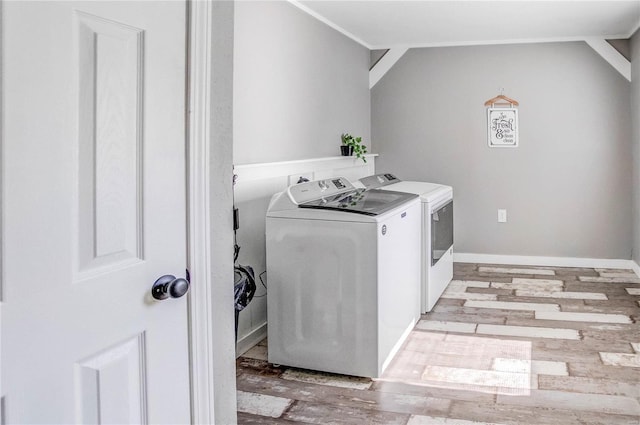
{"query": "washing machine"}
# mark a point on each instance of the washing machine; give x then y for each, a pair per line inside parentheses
(343, 269)
(437, 232)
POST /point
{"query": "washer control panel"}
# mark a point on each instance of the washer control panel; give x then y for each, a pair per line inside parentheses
(379, 180)
(312, 190)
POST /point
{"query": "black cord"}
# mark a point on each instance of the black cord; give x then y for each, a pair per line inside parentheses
(236, 225)
(263, 284)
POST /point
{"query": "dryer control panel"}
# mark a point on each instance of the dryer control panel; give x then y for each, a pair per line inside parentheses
(379, 180)
(310, 191)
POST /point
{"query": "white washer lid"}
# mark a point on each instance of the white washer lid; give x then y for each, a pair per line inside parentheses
(362, 201)
(429, 192)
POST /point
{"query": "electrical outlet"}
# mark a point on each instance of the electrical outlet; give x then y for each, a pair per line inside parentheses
(502, 216)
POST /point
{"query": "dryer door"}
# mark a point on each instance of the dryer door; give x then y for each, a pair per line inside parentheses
(441, 231)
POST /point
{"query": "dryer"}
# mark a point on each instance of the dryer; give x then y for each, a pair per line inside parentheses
(343, 271)
(437, 232)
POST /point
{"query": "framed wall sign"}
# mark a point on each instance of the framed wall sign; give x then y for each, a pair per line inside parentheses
(503, 127)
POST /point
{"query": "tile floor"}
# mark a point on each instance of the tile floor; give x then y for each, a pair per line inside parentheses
(504, 345)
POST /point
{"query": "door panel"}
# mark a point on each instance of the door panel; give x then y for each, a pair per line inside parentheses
(94, 212)
(112, 385)
(110, 58)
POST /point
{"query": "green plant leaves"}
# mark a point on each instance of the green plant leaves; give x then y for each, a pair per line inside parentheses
(356, 142)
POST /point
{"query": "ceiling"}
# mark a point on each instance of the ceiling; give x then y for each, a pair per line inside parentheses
(422, 23)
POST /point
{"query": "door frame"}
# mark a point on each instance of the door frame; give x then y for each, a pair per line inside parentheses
(210, 210)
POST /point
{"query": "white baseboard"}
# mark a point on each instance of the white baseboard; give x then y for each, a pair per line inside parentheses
(250, 340)
(604, 263)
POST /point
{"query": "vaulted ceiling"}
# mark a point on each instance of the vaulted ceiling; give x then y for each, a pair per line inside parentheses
(401, 23)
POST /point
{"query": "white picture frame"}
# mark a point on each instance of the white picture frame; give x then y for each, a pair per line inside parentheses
(502, 125)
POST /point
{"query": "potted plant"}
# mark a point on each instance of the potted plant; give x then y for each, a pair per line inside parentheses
(353, 146)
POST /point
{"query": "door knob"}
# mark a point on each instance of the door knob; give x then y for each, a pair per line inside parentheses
(168, 286)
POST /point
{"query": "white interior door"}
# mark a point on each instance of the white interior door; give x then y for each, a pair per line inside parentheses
(93, 200)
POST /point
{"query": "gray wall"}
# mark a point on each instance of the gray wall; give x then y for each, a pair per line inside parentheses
(298, 85)
(566, 188)
(635, 111)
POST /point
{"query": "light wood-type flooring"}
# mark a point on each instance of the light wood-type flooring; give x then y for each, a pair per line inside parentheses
(504, 345)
